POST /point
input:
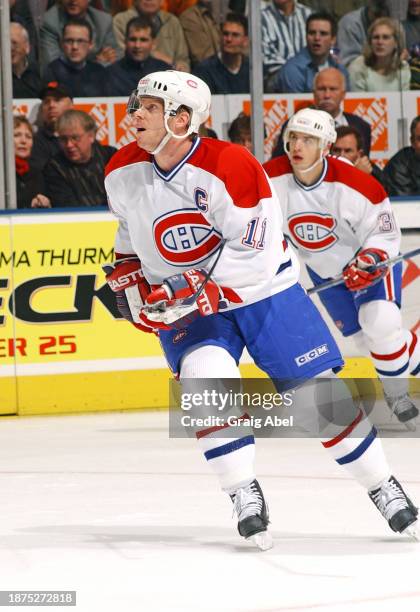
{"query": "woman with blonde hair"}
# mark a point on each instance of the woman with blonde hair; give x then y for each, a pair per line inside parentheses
(381, 67)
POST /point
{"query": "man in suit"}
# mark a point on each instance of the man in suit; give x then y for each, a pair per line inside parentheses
(329, 89)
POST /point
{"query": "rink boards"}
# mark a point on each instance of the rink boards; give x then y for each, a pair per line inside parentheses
(63, 346)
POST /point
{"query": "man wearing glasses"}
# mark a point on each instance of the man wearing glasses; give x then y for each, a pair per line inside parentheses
(228, 71)
(81, 76)
(104, 49)
(75, 176)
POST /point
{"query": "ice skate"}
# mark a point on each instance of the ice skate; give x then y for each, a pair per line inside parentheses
(252, 513)
(404, 409)
(396, 507)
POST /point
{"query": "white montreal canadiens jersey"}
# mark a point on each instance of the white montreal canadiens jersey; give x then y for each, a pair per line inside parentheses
(175, 220)
(328, 222)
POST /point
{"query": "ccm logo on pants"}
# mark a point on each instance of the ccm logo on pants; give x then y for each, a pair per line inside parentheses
(310, 355)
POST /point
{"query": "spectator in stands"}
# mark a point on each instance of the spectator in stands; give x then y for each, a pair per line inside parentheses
(283, 35)
(123, 76)
(397, 8)
(349, 144)
(353, 29)
(73, 69)
(30, 186)
(206, 132)
(381, 68)
(228, 73)
(239, 131)
(177, 7)
(75, 176)
(201, 31)
(337, 8)
(170, 41)
(104, 49)
(56, 99)
(329, 92)
(297, 75)
(411, 24)
(403, 169)
(26, 78)
(20, 13)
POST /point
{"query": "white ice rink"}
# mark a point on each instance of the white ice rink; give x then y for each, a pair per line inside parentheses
(109, 506)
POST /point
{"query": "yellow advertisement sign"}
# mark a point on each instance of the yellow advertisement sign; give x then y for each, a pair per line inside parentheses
(57, 314)
(8, 404)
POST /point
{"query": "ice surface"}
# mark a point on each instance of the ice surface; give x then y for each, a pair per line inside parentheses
(109, 506)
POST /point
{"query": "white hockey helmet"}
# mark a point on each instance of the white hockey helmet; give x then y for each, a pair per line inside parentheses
(313, 122)
(175, 89)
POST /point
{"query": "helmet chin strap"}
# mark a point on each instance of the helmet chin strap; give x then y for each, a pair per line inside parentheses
(321, 157)
(169, 134)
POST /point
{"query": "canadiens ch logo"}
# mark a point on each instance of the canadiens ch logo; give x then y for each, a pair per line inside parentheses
(185, 237)
(313, 231)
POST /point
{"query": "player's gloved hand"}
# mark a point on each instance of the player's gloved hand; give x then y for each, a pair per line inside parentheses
(357, 275)
(168, 307)
(125, 277)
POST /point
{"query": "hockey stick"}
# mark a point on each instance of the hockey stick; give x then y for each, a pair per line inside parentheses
(337, 280)
(192, 299)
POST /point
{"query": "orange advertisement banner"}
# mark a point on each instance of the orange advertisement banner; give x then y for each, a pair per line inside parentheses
(299, 104)
(99, 112)
(375, 112)
(124, 131)
(275, 114)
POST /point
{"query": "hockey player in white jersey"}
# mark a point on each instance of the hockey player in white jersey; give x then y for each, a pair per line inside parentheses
(181, 199)
(340, 219)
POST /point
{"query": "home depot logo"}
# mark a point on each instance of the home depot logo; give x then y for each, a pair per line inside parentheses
(99, 112)
(275, 114)
(124, 129)
(20, 109)
(374, 111)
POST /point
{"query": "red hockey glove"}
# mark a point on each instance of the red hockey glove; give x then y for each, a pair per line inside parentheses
(357, 275)
(168, 306)
(125, 277)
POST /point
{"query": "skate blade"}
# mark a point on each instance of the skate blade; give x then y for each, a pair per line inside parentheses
(412, 532)
(262, 540)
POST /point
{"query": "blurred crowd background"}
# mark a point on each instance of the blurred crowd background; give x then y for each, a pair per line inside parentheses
(71, 49)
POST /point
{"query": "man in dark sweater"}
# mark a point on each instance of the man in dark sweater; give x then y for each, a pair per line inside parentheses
(403, 169)
(56, 99)
(123, 76)
(75, 176)
(83, 77)
(349, 144)
(228, 72)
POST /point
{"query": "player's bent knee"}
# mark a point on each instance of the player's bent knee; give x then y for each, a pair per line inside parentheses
(380, 320)
(209, 362)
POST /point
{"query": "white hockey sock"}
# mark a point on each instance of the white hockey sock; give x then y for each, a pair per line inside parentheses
(344, 429)
(413, 343)
(388, 344)
(229, 450)
(358, 449)
(231, 459)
